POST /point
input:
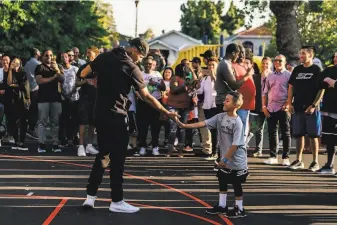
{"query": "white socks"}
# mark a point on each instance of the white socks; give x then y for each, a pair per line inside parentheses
(239, 204)
(89, 145)
(222, 200)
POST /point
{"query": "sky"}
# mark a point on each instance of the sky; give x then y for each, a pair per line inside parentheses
(151, 14)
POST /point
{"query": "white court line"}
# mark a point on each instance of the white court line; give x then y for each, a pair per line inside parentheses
(30, 193)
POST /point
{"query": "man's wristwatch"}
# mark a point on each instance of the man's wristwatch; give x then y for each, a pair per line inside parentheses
(225, 160)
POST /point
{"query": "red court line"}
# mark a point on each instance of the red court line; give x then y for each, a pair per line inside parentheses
(108, 200)
(225, 219)
(55, 212)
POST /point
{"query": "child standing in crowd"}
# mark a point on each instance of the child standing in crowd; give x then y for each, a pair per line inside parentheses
(233, 167)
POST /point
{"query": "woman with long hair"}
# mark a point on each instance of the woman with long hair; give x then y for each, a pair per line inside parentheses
(19, 100)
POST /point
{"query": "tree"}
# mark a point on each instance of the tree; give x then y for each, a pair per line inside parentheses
(148, 35)
(233, 19)
(317, 26)
(200, 18)
(58, 25)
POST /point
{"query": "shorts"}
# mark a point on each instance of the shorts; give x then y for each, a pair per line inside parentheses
(132, 123)
(306, 124)
(86, 112)
(233, 176)
(329, 130)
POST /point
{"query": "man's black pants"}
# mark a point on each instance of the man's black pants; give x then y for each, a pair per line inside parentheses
(113, 139)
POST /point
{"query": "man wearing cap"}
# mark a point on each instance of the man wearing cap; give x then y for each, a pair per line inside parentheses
(116, 73)
(207, 55)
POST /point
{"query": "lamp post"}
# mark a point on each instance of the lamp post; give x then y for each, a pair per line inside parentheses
(136, 2)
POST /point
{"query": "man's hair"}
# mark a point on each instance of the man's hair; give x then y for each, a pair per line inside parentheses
(266, 58)
(213, 59)
(46, 50)
(69, 50)
(232, 48)
(93, 49)
(33, 52)
(310, 49)
(237, 98)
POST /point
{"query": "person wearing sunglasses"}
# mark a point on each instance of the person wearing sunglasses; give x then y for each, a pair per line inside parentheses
(275, 108)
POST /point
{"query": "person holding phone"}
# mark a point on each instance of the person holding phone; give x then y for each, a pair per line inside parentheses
(19, 96)
(49, 75)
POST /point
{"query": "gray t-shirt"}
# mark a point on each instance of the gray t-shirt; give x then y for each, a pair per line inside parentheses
(230, 132)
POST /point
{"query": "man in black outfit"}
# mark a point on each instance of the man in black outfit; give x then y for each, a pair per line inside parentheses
(117, 72)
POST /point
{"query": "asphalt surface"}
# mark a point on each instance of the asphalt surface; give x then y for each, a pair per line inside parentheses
(50, 188)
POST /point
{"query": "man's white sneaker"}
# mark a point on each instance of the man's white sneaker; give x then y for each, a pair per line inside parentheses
(155, 151)
(286, 162)
(90, 202)
(90, 149)
(81, 151)
(142, 151)
(271, 161)
(129, 147)
(122, 207)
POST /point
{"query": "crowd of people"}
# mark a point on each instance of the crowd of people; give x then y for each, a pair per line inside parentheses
(294, 100)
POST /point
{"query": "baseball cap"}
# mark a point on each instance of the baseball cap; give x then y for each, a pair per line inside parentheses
(208, 54)
(141, 45)
(196, 60)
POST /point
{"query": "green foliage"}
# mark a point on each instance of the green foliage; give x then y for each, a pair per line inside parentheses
(58, 25)
(233, 19)
(319, 28)
(200, 18)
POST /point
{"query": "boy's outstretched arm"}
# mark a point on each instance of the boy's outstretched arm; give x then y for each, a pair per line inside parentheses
(192, 125)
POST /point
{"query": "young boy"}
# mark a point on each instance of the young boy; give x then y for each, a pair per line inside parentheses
(233, 164)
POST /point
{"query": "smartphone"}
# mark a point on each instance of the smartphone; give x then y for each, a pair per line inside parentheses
(206, 72)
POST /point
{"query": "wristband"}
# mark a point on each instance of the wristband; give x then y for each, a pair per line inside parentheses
(264, 106)
(225, 160)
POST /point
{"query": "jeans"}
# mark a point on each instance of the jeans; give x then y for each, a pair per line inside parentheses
(175, 130)
(147, 116)
(260, 120)
(51, 110)
(206, 142)
(33, 111)
(283, 118)
(244, 116)
(18, 112)
(112, 139)
(68, 121)
(209, 113)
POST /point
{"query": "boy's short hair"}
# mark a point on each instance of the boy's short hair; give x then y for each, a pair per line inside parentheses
(237, 98)
(249, 59)
(310, 49)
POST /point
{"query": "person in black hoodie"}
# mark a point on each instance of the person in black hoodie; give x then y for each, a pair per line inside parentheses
(117, 72)
(329, 112)
(19, 96)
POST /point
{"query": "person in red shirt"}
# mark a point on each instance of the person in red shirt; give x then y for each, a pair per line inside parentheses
(248, 90)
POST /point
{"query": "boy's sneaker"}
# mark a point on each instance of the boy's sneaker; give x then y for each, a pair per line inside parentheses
(296, 165)
(326, 169)
(285, 162)
(42, 148)
(56, 149)
(81, 151)
(91, 150)
(142, 151)
(122, 207)
(236, 213)
(314, 166)
(271, 161)
(188, 149)
(212, 157)
(90, 202)
(155, 151)
(217, 210)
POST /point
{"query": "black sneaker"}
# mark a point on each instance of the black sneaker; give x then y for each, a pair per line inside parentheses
(22, 147)
(326, 169)
(217, 210)
(313, 166)
(236, 213)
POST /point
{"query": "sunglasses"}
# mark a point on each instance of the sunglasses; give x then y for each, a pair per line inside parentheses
(278, 60)
(70, 55)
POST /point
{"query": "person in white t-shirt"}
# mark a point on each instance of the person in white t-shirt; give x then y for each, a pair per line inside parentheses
(146, 115)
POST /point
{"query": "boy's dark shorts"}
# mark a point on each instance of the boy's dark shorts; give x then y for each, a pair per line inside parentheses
(233, 176)
(86, 112)
(306, 124)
